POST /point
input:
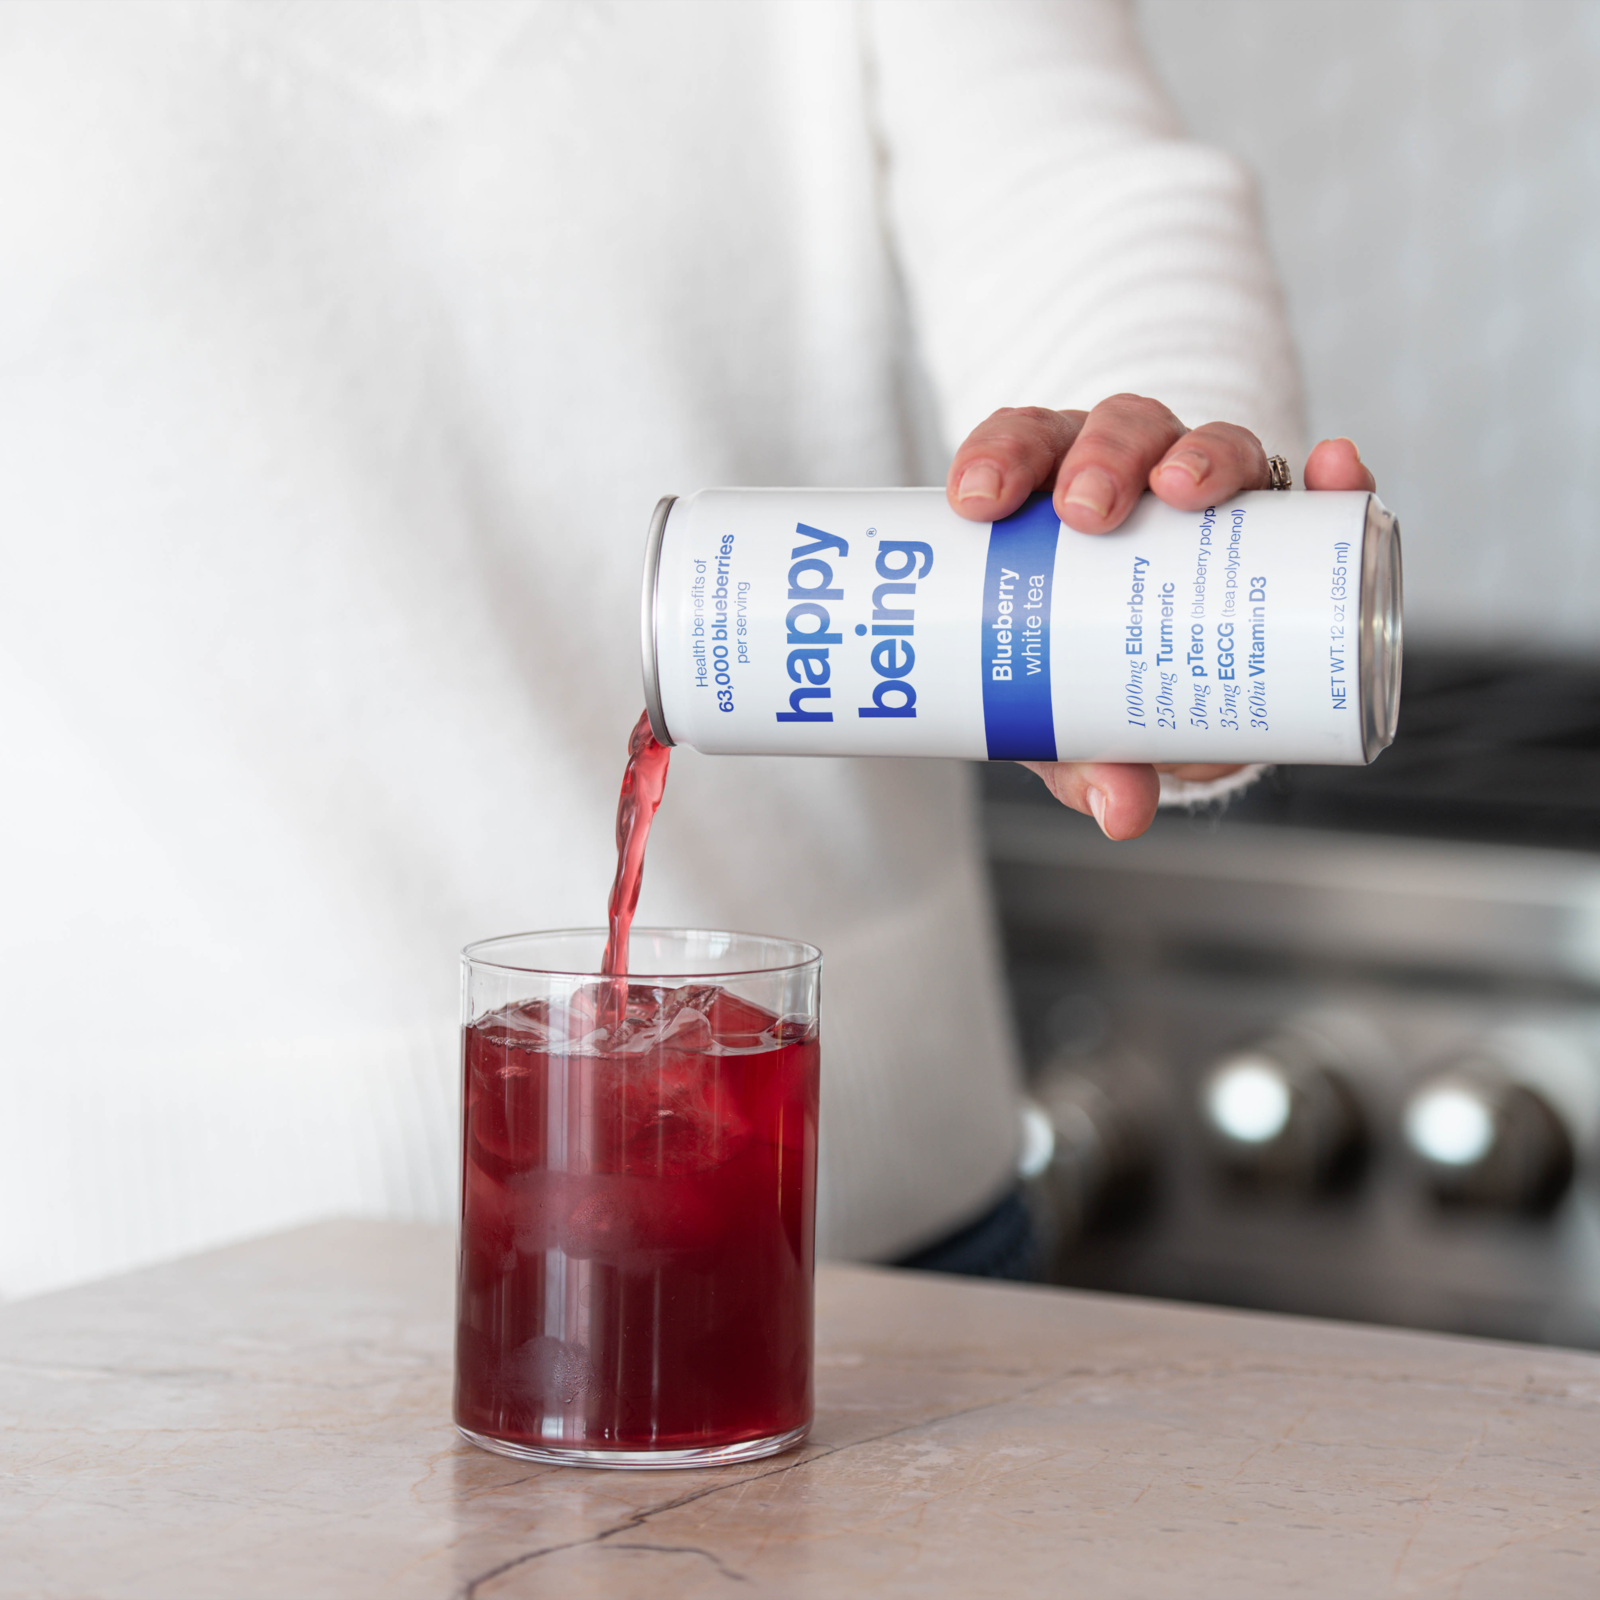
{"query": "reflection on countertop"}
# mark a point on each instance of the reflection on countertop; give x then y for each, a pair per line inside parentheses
(272, 1419)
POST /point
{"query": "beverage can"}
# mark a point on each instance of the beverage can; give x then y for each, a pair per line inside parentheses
(878, 622)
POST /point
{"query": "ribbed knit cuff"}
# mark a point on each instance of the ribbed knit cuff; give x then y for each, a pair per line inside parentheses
(1186, 792)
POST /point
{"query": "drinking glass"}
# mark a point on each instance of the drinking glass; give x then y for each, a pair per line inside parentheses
(638, 1197)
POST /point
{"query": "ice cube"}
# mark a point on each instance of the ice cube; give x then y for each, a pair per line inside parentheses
(792, 1030)
(538, 1201)
(655, 1016)
(603, 1016)
(634, 1035)
(626, 1220)
(599, 1220)
(552, 1370)
(684, 1116)
(695, 996)
(738, 1024)
(520, 1027)
(586, 1008)
(690, 1029)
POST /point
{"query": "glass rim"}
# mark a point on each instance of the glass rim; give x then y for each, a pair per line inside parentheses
(472, 955)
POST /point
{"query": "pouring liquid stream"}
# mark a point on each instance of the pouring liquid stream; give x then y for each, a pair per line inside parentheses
(644, 781)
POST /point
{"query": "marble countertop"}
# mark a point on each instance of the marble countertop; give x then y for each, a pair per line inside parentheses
(272, 1420)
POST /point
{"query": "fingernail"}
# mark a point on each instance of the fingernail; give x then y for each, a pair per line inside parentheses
(1093, 490)
(1097, 807)
(979, 482)
(1190, 462)
(1354, 447)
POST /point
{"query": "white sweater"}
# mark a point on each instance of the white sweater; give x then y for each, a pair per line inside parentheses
(344, 350)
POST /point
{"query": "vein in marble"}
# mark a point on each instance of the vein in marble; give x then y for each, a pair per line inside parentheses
(273, 1420)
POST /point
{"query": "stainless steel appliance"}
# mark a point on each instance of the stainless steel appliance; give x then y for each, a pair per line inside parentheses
(1335, 1049)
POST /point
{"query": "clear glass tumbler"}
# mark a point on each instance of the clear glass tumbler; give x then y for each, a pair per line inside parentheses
(638, 1198)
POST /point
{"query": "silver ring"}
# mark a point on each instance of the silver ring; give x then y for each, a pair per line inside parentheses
(1278, 473)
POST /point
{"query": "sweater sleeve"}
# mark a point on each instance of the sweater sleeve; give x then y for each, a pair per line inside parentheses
(1060, 239)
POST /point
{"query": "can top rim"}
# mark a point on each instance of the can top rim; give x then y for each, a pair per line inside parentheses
(648, 649)
(1380, 642)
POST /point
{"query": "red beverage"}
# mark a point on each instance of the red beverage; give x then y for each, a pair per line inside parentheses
(639, 1189)
(637, 1245)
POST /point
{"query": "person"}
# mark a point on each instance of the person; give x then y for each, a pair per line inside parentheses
(346, 350)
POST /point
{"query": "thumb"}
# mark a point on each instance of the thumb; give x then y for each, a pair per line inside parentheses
(1337, 464)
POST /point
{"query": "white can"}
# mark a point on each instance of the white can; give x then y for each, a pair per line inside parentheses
(878, 622)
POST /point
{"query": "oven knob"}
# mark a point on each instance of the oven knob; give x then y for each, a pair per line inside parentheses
(1087, 1147)
(1280, 1114)
(1482, 1139)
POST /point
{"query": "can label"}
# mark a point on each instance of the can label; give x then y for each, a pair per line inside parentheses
(878, 622)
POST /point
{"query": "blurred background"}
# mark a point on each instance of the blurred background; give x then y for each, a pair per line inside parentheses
(1429, 172)
(1337, 1049)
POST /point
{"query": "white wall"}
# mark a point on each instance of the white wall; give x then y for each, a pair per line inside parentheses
(1430, 171)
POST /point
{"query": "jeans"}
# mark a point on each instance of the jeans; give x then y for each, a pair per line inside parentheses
(1002, 1243)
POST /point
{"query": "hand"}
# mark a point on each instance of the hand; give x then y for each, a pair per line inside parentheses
(1096, 465)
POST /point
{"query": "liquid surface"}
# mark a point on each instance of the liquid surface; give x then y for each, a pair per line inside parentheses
(637, 1246)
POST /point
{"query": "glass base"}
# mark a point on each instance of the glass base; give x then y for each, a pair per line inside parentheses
(716, 1455)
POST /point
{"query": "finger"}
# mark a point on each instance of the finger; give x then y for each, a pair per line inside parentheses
(1213, 463)
(1122, 799)
(1004, 459)
(1337, 464)
(1106, 469)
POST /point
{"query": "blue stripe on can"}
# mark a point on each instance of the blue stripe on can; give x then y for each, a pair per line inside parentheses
(1018, 722)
